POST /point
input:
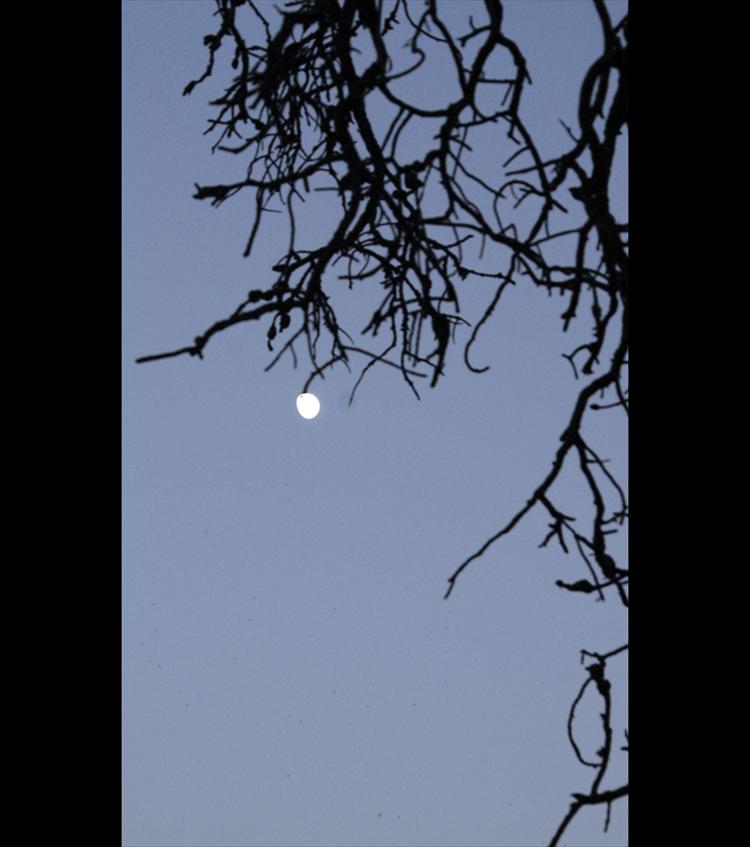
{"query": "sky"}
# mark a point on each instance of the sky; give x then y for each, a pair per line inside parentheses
(291, 673)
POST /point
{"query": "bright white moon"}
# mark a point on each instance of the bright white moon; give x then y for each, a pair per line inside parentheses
(308, 405)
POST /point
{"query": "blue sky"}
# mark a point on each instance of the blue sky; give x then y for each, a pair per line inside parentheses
(291, 673)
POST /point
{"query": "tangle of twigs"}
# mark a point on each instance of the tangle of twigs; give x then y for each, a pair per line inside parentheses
(299, 110)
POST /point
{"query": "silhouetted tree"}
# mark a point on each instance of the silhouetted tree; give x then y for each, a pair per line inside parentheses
(305, 110)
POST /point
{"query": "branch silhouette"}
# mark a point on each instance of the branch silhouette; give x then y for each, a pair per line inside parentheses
(301, 112)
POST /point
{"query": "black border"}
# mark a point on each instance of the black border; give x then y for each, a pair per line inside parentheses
(71, 82)
(672, 675)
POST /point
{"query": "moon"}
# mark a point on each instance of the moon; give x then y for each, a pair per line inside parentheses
(308, 405)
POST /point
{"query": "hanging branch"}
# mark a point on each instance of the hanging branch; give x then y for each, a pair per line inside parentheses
(299, 112)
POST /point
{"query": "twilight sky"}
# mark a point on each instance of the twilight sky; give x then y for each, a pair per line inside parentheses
(292, 676)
